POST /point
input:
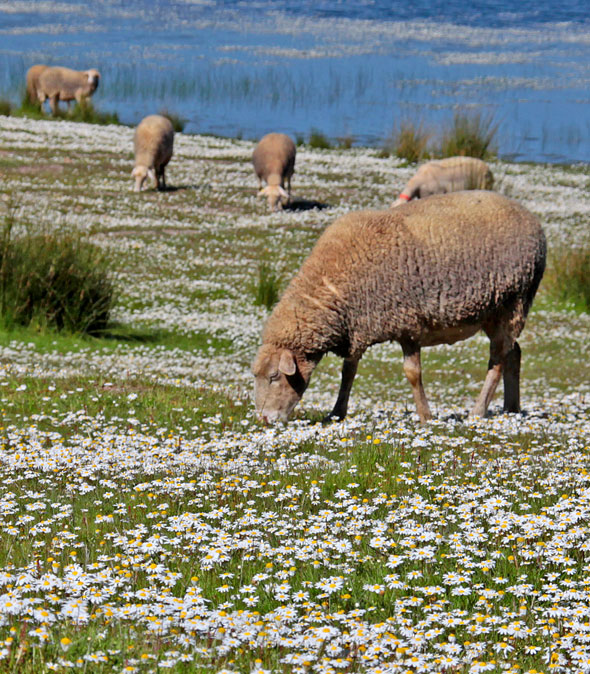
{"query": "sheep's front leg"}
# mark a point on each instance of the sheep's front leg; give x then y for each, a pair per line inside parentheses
(413, 371)
(349, 368)
(512, 380)
(163, 178)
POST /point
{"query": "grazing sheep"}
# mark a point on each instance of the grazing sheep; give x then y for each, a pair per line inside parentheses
(433, 272)
(447, 175)
(33, 82)
(274, 162)
(63, 84)
(153, 143)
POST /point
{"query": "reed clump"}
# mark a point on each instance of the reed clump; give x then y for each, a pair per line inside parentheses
(469, 135)
(266, 291)
(53, 280)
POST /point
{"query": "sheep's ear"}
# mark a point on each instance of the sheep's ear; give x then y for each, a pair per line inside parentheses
(287, 364)
(283, 192)
(151, 174)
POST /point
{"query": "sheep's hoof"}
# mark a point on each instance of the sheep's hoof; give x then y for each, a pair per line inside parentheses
(332, 417)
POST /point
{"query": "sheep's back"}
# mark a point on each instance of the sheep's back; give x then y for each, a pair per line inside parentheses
(274, 154)
(153, 141)
(449, 260)
(60, 80)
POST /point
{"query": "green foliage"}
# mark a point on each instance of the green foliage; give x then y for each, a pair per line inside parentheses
(178, 122)
(80, 112)
(267, 289)
(86, 112)
(409, 141)
(568, 276)
(53, 280)
(318, 140)
(5, 107)
(470, 135)
(345, 143)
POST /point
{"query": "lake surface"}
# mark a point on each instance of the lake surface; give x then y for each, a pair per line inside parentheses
(348, 69)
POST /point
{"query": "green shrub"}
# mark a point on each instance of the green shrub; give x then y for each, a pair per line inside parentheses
(5, 108)
(318, 140)
(178, 123)
(53, 280)
(470, 135)
(86, 112)
(567, 277)
(409, 141)
(267, 290)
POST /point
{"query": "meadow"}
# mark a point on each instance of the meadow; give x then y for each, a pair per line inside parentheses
(150, 523)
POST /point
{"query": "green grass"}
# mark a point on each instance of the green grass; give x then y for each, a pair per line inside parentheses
(469, 134)
(318, 140)
(79, 112)
(568, 276)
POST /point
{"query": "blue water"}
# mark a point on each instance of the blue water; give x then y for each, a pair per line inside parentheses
(346, 68)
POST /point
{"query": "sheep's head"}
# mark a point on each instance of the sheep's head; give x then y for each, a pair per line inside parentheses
(141, 173)
(280, 380)
(276, 195)
(93, 79)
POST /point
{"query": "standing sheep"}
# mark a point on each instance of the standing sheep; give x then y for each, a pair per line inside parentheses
(33, 74)
(63, 84)
(153, 143)
(434, 272)
(447, 175)
(274, 162)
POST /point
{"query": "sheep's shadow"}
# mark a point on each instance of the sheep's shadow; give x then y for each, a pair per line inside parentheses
(306, 205)
(176, 188)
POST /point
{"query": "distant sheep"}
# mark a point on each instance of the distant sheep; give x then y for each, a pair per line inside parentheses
(33, 82)
(433, 272)
(274, 163)
(447, 175)
(63, 84)
(153, 143)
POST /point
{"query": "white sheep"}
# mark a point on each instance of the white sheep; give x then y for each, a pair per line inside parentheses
(447, 175)
(64, 84)
(274, 162)
(153, 143)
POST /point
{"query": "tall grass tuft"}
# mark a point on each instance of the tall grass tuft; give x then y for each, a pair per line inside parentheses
(318, 140)
(53, 280)
(409, 141)
(178, 122)
(266, 292)
(5, 107)
(470, 135)
(568, 276)
(86, 112)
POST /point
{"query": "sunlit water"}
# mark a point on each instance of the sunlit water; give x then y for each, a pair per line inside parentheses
(348, 69)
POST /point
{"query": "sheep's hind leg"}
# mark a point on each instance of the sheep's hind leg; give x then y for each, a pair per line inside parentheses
(413, 371)
(498, 351)
(512, 380)
(349, 368)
